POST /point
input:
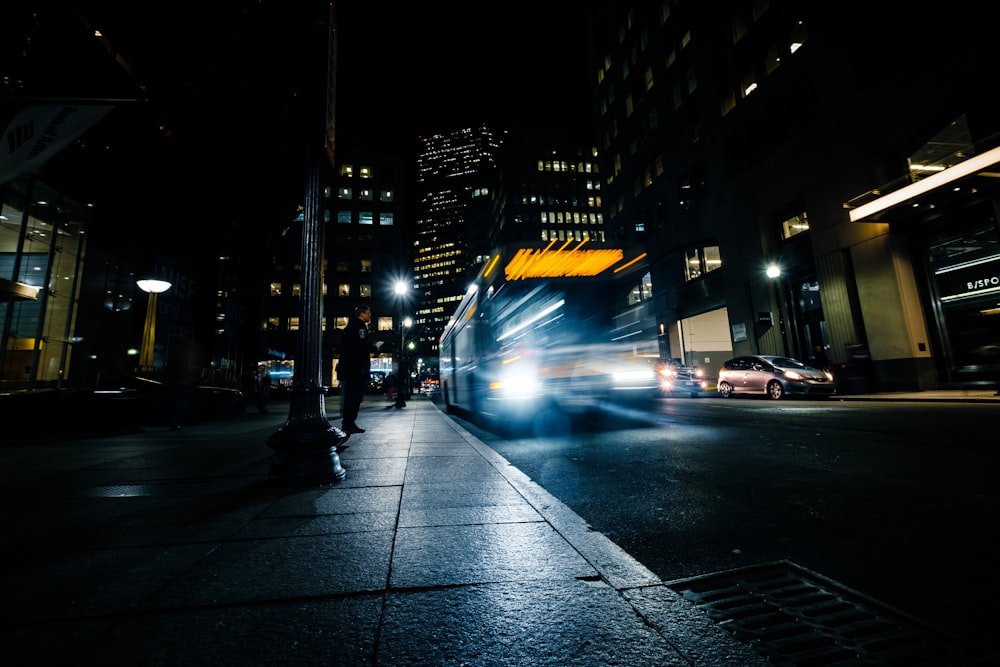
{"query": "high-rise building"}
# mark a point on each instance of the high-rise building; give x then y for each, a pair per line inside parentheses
(549, 188)
(365, 255)
(800, 183)
(455, 183)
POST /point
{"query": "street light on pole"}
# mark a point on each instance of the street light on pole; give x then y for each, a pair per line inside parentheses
(402, 377)
(153, 288)
(786, 309)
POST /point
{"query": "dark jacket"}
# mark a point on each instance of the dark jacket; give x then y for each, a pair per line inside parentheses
(356, 349)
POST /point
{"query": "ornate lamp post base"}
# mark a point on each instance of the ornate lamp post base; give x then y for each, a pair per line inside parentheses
(305, 447)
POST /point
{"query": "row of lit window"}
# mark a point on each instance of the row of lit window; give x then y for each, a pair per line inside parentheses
(573, 235)
(340, 322)
(350, 171)
(641, 292)
(699, 261)
(425, 265)
(366, 194)
(365, 217)
(592, 201)
(571, 217)
(343, 289)
(563, 165)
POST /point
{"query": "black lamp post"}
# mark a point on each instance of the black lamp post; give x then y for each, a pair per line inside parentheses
(786, 310)
(153, 288)
(402, 376)
(305, 447)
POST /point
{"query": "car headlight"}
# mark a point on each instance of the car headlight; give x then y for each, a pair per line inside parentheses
(793, 375)
(635, 375)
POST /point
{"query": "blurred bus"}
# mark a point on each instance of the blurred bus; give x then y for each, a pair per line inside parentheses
(533, 336)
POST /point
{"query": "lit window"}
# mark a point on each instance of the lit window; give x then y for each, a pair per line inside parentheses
(344, 289)
(347, 170)
(365, 218)
(344, 217)
(385, 218)
(275, 289)
(387, 195)
(798, 37)
(345, 193)
(771, 60)
(366, 195)
(794, 225)
(366, 172)
(365, 291)
(385, 324)
(699, 261)
(749, 83)
(296, 289)
(293, 324)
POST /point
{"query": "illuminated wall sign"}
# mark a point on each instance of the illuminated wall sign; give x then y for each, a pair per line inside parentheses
(969, 279)
(560, 263)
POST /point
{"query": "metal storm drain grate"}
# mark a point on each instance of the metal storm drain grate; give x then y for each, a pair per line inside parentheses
(797, 618)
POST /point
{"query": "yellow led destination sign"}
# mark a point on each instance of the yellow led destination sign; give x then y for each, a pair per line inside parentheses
(560, 263)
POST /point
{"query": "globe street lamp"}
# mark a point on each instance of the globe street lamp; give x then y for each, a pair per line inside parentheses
(153, 288)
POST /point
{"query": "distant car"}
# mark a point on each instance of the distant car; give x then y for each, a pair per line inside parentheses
(678, 379)
(775, 377)
(376, 385)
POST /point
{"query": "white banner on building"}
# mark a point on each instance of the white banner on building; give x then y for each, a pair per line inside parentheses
(37, 133)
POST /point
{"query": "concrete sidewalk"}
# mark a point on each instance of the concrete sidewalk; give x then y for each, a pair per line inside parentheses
(170, 548)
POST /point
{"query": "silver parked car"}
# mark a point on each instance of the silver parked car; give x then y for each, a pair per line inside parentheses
(773, 376)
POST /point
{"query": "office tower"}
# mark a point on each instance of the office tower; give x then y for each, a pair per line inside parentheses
(365, 254)
(798, 182)
(549, 188)
(456, 183)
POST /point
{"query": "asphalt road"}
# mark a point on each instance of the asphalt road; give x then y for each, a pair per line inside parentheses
(897, 501)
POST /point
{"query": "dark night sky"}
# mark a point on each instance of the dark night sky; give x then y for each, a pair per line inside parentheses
(417, 71)
(403, 69)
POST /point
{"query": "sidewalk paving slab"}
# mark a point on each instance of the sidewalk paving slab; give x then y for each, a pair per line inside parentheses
(172, 548)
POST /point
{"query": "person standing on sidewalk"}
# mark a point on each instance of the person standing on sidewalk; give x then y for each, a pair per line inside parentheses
(254, 392)
(354, 367)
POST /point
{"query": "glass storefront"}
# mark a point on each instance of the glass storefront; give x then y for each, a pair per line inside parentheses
(42, 248)
(965, 274)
